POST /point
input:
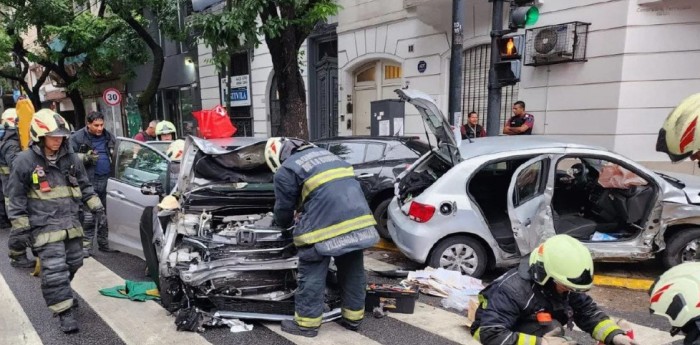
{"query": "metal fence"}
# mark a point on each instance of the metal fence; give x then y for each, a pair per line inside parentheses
(476, 82)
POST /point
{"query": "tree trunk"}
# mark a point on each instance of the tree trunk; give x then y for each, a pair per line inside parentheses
(78, 105)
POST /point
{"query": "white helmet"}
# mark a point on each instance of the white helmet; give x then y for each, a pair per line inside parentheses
(9, 118)
(176, 150)
(676, 295)
(679, 137)
(277, 149)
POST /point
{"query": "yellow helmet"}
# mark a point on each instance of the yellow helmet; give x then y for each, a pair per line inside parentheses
(165, 127)
(676, 295)
(565, 260)
(9, 118)
(277, 149)
(46, 122)
(679, 137)
(176, 150)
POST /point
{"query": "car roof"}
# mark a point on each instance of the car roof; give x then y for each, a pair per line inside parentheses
(235, 141)
(504, 143)
(367, 137)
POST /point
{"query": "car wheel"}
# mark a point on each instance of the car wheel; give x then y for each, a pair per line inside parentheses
(149, 250)
(460, 253)
(682, 246)
(381, 215)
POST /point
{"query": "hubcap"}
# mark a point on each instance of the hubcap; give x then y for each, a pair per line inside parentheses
(459, 257)
(690, 252)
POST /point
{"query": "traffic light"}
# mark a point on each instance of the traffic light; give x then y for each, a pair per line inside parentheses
(523, 13)
(510, 50)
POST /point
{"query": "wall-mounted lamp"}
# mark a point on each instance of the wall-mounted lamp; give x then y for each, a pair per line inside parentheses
(188, 61)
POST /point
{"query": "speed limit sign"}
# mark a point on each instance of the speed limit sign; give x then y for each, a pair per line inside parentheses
(112, 96)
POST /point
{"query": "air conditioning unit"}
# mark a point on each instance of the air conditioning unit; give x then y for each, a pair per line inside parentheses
(555, 44)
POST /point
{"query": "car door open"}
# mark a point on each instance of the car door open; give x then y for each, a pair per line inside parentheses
(529, 199)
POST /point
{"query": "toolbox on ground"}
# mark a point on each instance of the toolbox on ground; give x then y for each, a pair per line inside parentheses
(396, 298)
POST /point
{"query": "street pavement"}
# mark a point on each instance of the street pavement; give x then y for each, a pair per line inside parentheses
(24, 318)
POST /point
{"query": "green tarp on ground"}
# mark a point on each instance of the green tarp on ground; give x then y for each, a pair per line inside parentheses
(135, 291)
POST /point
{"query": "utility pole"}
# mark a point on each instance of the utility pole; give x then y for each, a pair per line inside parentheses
(229, 68)
(455, 94)
(493, 116)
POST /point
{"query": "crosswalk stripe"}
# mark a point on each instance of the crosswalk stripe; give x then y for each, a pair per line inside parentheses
(141, 323)
(330, 333)
(15, 327)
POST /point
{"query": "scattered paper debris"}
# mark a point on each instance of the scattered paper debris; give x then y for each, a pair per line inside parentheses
(457, 290)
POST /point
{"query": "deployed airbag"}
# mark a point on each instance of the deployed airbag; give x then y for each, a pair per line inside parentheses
(615, 176)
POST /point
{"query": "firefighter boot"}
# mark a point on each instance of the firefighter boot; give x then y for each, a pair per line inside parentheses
(350, 325)
(291, 327)
(22, 261)
(68, 322)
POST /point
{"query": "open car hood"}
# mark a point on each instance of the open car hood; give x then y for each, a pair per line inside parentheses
(207, 162)
(435, 121)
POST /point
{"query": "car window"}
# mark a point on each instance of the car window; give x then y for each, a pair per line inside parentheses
(374, 152)
(353, 153)
(137, 164)
(529, 183)
(402, 152)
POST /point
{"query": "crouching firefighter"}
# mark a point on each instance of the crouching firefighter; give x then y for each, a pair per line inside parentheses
(47, 185)
(676, 296)
(335, 222)
(530, 303)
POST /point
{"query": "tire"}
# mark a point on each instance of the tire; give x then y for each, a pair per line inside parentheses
(474, 264)
(684, 242)
(381, 216)
(149, 251)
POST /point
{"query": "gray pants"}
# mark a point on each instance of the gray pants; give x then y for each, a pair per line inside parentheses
(59, 262)
(99, 183)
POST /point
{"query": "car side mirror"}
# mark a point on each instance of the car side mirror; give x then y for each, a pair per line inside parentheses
(152, 188)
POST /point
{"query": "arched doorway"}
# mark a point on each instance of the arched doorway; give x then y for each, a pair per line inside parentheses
(373, 81)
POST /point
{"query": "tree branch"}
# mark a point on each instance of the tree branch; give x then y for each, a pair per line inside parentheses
(101, 10)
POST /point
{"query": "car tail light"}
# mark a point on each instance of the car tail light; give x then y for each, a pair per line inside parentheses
(420, 213)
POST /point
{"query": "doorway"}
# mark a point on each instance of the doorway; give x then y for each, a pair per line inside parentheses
(373, 81)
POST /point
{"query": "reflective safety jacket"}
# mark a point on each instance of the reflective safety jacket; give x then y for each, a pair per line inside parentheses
(9, 148)
(514, 298)
(45, 197)
(336, 218)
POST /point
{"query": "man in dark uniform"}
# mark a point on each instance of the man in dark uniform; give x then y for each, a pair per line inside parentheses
(335, 222)
(472, 129)
(9, 148)
(47, 185)
(521, 122)
(530, 303)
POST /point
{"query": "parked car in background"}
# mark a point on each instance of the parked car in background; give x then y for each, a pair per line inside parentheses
(377, 161)
(488, 202)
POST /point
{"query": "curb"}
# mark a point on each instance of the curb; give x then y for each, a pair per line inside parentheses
(638, 284)
(386, 245)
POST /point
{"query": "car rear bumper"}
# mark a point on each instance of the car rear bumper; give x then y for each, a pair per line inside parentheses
(413, 239)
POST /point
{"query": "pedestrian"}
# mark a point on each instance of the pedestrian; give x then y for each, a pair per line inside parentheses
(149, 134)
(95, 145)
(530, 303)
(9, 148)
(472, 129)
(676, 296)
(47, 183)
(521, 122)
(165, 131)
(335, 222)
(679, 137)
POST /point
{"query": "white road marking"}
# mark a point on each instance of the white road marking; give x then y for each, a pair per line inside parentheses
(15, 327)
(141, 323)
(329, 333)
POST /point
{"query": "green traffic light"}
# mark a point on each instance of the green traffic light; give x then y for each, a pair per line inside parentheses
(532, 15)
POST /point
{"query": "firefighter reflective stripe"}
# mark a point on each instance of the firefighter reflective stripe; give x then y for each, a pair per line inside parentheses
(57, 236)
(20, 223)
(526, 339)
(308, 322)
(483, 301)
(5, 170)
(319, 179)
(603, 329)
(94, 203)
(55, 193)
(353, 315)
(334, 230)
(61, 306)
(476, 334)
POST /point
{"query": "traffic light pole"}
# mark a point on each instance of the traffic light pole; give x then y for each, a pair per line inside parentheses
(493, 116)
(455, 104)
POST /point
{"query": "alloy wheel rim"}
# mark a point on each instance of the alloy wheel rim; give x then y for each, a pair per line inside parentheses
(459, 257)
(690, 252)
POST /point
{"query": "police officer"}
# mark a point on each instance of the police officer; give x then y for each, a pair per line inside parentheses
(9, 148)
(47, 183)
(530, 303)
(676, 296)
(335, 222)
(521, 122)
(95, 145)
(165, 131)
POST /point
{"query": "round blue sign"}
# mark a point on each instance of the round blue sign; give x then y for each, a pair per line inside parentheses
(422, 65)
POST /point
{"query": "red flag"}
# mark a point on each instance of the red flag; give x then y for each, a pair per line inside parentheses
(214, 123)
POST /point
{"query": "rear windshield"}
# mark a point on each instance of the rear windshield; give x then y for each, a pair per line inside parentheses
(420, 147)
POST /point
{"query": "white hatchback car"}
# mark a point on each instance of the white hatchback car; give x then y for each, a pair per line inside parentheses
(484, 203)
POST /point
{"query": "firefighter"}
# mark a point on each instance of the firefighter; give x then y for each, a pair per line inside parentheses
(676, 296)
(175, 152)
(9, 148)
(47, 183)
(165, 131)
(530, 303)
(679, 137)
(335, 222)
